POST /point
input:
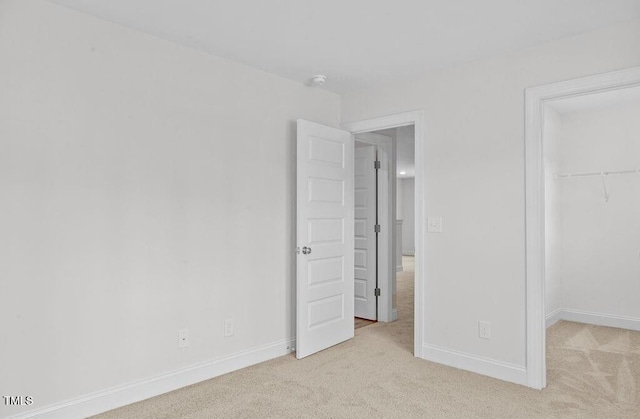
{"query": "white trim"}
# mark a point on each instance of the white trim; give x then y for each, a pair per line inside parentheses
(598, 319)
(480, 365)
(535, 100)
(408, 253)
(417, 119)
(554, 317)
(122, 395)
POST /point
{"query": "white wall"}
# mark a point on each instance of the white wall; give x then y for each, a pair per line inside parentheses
(601, 240)
(405, 153)
(408, 221)
(474, 161)
(553, 211)
(145, 187)
(399, 200)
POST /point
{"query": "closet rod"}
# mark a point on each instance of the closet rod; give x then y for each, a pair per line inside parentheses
(587, 174)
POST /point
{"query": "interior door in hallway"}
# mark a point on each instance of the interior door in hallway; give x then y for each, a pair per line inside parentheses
(365, 255)
(325, 242)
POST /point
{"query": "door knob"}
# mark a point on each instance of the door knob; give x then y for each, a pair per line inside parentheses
(306, 250)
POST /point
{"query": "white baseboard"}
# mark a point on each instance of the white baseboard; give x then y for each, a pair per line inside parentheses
(122, 395)
(554, 317)
(600, 319)
(485, 366)
(394, 314)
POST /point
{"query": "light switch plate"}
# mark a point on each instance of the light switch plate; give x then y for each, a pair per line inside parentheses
(228, 328)
(434, 224)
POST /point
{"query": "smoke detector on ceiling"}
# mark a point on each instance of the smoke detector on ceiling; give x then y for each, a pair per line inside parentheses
(318, 80)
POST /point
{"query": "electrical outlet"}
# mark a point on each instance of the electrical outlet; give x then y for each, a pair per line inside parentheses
(183, 338)
(484, 330)
(228, 328)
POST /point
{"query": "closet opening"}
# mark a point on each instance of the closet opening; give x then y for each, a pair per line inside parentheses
(582, 144)
(592, 235)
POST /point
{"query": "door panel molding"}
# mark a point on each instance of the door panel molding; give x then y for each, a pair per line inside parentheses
(365, 240)
(324, 264)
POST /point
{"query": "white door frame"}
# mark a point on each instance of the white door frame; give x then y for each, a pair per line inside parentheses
(417, 119)
(535, 100)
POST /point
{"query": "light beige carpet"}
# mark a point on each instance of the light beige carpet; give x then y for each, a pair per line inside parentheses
(594, 372)
(358, 323)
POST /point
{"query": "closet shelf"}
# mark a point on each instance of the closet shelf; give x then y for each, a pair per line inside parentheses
(590, 174)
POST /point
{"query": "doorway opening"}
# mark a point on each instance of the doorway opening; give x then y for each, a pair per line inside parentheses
(385, 232)
(399, 139)
(592, 266)
(582, 189)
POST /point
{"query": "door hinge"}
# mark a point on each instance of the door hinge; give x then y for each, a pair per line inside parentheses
(377, 292)
(376, 164)
(376, 228)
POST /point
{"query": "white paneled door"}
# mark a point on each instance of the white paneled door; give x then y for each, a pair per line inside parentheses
(325, 249)
(364, 233)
